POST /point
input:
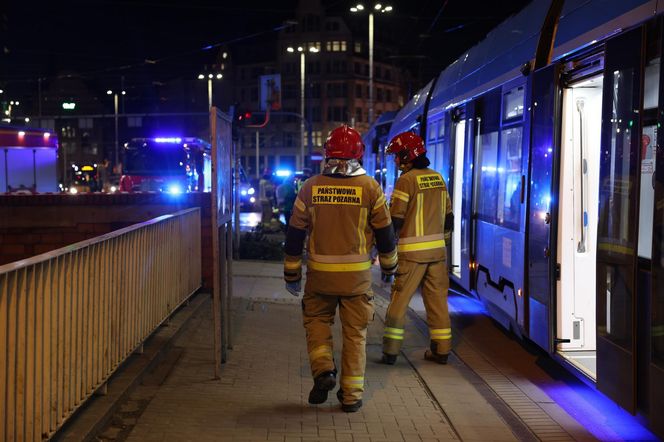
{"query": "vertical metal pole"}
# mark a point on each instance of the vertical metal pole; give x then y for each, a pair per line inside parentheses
(302, 73)
(117, 151)
(236, 214)
(371, 68)
(229, 286)
(209, 93)
(258, 156)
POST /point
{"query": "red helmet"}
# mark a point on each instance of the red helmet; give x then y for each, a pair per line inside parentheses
(407, 146)
(345, 143)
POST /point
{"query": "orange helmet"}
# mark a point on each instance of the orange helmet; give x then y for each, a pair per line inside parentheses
(344, 142)
(407, 146)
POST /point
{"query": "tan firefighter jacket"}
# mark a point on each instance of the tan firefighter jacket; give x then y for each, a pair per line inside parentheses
(342, 216)
(420, 198)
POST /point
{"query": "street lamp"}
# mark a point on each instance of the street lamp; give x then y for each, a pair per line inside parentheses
(115, 105)
(378, 7)
(209, 78)
(302, 52)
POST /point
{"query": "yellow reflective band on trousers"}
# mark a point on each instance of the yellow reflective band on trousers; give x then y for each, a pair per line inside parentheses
(426, 245)
(440, 333)
(293, 265)
(356, 382)
(341, 267)
(394, 333)
(320, 352)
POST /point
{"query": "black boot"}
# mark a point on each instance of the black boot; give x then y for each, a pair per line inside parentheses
(323, 383)
(348, 408)
(432, 355)
(351, 408)
(388, 359)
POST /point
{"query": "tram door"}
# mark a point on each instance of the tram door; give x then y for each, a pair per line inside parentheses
(540, 269)
(617, 234)
(458, 141)
(651, 231)
(577, 214)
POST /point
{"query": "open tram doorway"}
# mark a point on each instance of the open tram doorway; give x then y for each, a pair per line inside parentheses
(577, 223)
(457, 197)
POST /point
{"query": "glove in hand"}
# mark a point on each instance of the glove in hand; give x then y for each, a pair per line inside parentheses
(294, 288)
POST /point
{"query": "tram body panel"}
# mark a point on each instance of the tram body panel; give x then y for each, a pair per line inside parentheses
(578, 269)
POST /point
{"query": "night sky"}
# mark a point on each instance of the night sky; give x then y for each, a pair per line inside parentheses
(103, 40)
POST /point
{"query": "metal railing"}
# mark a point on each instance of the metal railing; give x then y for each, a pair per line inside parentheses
(70, 317)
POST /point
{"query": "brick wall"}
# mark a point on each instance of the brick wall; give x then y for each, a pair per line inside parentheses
(34, 224)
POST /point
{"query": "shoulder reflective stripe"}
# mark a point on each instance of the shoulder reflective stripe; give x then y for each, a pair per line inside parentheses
(293, 265)
(403, 196)
(395, 337)
(379, 203)
(319, 352)
(361, 236)
(350, 267)
(336, 259)
(398, 331)
(419, 216)
(299, 204)
(412, 239)
(414, 247)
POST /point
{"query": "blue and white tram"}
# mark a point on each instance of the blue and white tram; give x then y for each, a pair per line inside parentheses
(556, 175)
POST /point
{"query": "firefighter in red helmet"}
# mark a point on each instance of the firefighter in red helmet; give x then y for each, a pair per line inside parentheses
(341, 212)
(422, 217)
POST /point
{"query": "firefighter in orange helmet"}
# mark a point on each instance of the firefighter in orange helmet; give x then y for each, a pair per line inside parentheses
(342, 211)
(422, 217)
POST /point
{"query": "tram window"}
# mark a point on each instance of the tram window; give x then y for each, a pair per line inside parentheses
(509, 178)
(513, 103)
(488, 167)
(651, 85)
(432, 130)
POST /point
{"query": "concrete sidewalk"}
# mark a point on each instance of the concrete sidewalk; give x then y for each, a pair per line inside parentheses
(262, 395)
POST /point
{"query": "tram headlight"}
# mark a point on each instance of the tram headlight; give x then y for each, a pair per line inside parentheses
(243, 192)
(252, 200)
(251, 191)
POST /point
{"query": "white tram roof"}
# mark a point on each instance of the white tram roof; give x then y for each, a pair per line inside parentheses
(499, 57)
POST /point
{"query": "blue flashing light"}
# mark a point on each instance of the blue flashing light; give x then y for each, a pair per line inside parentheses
(168, 140)
(251, 191)
(283, 173)
(243, 192)
(175, 189)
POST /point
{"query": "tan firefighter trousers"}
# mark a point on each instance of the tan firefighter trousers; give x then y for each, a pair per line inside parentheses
(355, 312)
(433, 278)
